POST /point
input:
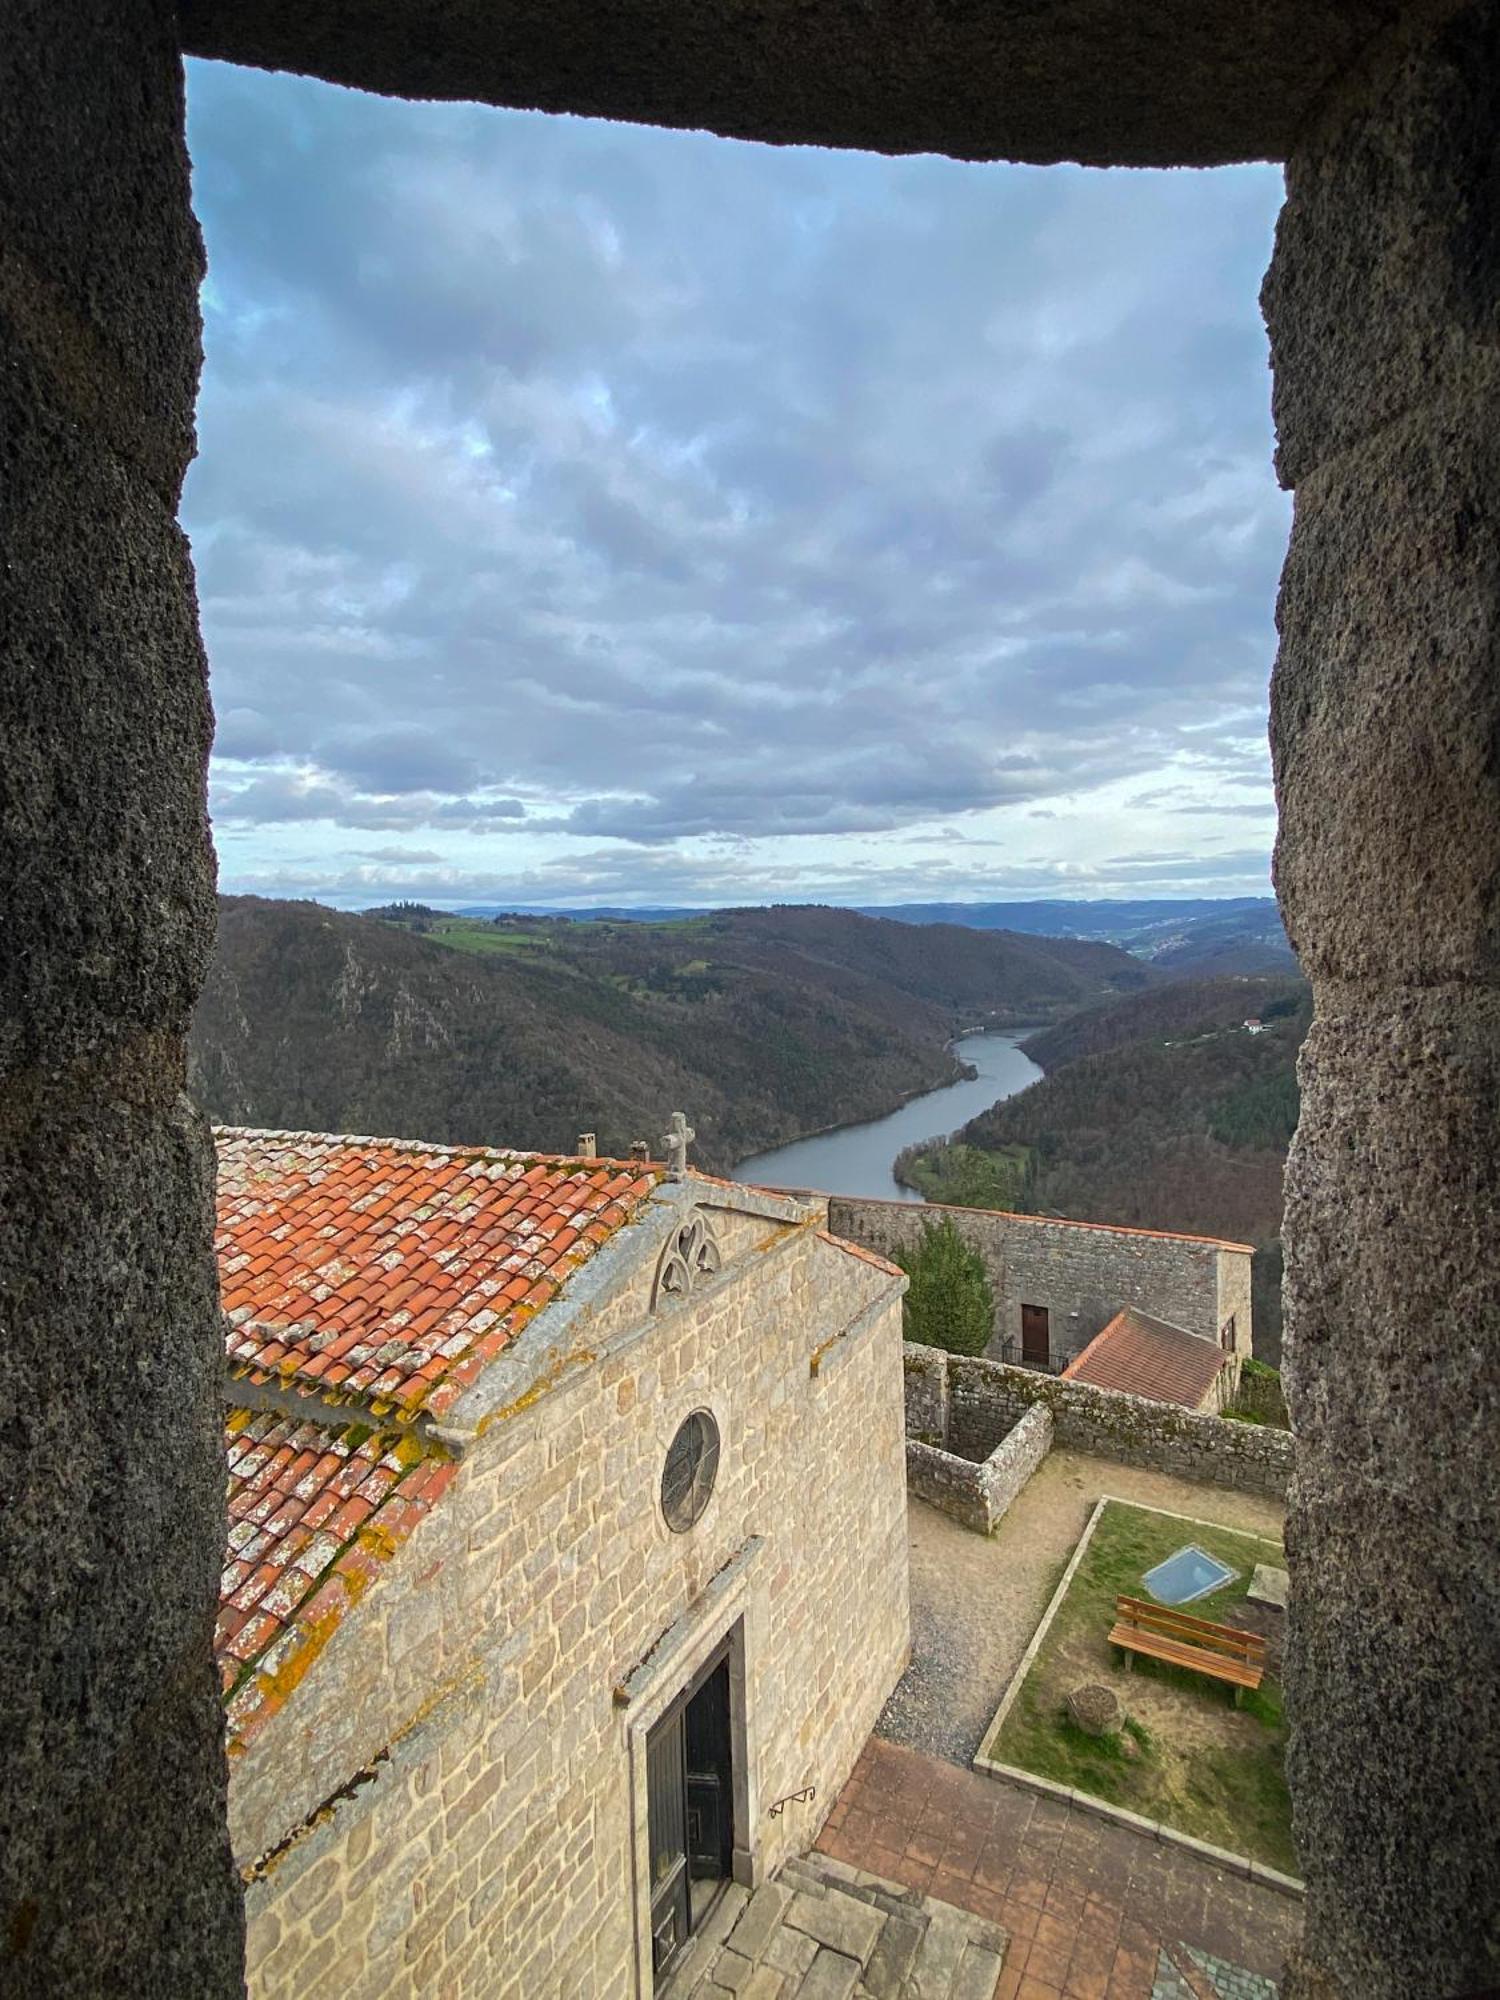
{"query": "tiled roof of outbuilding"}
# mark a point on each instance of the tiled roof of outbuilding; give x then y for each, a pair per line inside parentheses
(1149, 1357)
(388, 1272)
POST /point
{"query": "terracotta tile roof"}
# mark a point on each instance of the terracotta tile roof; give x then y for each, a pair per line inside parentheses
(1149, 1357)
(313, 1512)
(389, 1272)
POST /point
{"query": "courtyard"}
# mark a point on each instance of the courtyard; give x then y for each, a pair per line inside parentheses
(976, 1601)
(1091, 1910)
(1181, 1751)
(1094, 1909)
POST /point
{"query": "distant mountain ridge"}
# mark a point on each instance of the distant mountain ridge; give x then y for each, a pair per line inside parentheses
(1205, 935)
(764, 1025)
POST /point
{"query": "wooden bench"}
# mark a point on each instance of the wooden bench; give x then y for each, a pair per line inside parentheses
(1220, 1651)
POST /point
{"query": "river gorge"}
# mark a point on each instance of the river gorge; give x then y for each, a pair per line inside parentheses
(857, 1159)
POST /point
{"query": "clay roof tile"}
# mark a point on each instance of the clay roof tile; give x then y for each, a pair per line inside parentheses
(1145, 1356)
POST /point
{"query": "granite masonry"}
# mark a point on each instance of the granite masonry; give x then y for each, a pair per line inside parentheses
(1077, 1274)
(979, 1494)
(447, 1790)
(1385, 344)
(968, 1410)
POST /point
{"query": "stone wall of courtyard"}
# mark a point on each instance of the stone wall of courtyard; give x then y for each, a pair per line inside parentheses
(452, 1802)
(980, 1495)
(970, 1406)
(1081, 1272)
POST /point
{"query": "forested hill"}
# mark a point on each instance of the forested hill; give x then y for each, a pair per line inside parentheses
(762, 1025)
(1161, 1111)
(1185, 1007)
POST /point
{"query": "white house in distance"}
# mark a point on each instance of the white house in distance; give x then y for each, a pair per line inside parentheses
(567, 1562)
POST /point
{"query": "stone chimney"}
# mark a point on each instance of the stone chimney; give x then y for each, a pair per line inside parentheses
(588, 1145)
(639, 1150)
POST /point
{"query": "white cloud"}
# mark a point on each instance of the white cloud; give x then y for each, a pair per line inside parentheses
(739, 507)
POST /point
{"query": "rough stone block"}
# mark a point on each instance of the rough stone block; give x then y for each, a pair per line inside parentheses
(765, 1984)
(1388, 686)
(977, 1974)
(1383, 281)
(837, 1921)
(831, 1976)
(894, 1955)
(760, 1919)
(791, 1952)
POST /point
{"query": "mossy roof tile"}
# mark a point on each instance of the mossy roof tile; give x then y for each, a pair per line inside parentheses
(329, 1246)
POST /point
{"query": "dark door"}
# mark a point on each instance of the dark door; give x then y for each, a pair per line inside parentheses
(666, 1805)
(710, 1810)
(690, 1786)
(1036, 1345)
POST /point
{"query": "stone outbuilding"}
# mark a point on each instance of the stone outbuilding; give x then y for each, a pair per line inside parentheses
(1058, 1282)
(567, 1556)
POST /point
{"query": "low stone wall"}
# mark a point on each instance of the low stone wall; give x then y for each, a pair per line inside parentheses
(987, 1400)
(1012, 1462)
(980, 1495)
(926, 1395)
(948, 1482)
(1259, 1393)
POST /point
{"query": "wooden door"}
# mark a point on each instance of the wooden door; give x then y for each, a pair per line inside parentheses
(666, 1795)
(689, 1796)
(1036, 1344)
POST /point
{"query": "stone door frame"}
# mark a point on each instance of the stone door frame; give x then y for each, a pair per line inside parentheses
(684, 1654)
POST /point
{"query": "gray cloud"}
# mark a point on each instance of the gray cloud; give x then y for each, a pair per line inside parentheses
(684, 489)
(663, 876)
(281, 798)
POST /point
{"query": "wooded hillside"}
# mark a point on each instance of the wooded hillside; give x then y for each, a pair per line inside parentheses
(1161, 1111)
(762, 1024)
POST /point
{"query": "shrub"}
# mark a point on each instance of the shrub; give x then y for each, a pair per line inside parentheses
(948, 1302)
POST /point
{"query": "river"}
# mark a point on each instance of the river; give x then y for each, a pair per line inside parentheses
(856, 1159)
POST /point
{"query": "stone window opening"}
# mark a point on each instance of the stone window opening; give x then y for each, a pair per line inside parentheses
(690, 1471)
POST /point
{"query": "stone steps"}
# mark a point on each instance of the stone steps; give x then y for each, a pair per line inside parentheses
(825, 1931)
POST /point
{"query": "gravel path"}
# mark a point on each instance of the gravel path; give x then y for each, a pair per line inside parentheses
(976, 1600)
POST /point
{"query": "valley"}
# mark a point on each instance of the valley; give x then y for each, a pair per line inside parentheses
(1155, 1105)
(1163, 1111)
(764, 1024)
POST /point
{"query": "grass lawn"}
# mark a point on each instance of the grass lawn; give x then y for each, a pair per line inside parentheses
(485, 939)
(1186, 1756)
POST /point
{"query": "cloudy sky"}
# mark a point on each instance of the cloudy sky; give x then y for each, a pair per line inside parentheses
(586, 513)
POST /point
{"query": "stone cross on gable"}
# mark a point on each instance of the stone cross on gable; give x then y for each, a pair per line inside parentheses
(676, 1144)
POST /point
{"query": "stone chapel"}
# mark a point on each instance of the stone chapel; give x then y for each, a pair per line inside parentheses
(567, 1567)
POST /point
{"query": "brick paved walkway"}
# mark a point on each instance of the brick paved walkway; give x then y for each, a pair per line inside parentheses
(1089, 1906)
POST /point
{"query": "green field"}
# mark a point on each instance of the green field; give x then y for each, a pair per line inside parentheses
(966, 1176)
(1186, 1756)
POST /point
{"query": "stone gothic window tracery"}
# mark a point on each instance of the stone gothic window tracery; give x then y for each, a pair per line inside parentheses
(690, 1254)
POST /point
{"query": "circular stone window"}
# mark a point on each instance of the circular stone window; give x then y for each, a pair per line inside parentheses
(687, 1478)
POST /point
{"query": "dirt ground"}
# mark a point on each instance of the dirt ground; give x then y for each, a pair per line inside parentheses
(976, 1600)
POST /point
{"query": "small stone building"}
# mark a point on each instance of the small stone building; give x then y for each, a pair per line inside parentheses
(1058, 1282)
(567, 1556)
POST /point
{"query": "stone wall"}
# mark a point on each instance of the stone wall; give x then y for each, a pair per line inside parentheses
(1258, 1393)
(926, 1394)
(472, 1818)
(980, 1495)
(1383, 306)
(1082, 1272)
(115, 1869)
(986, 1400)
